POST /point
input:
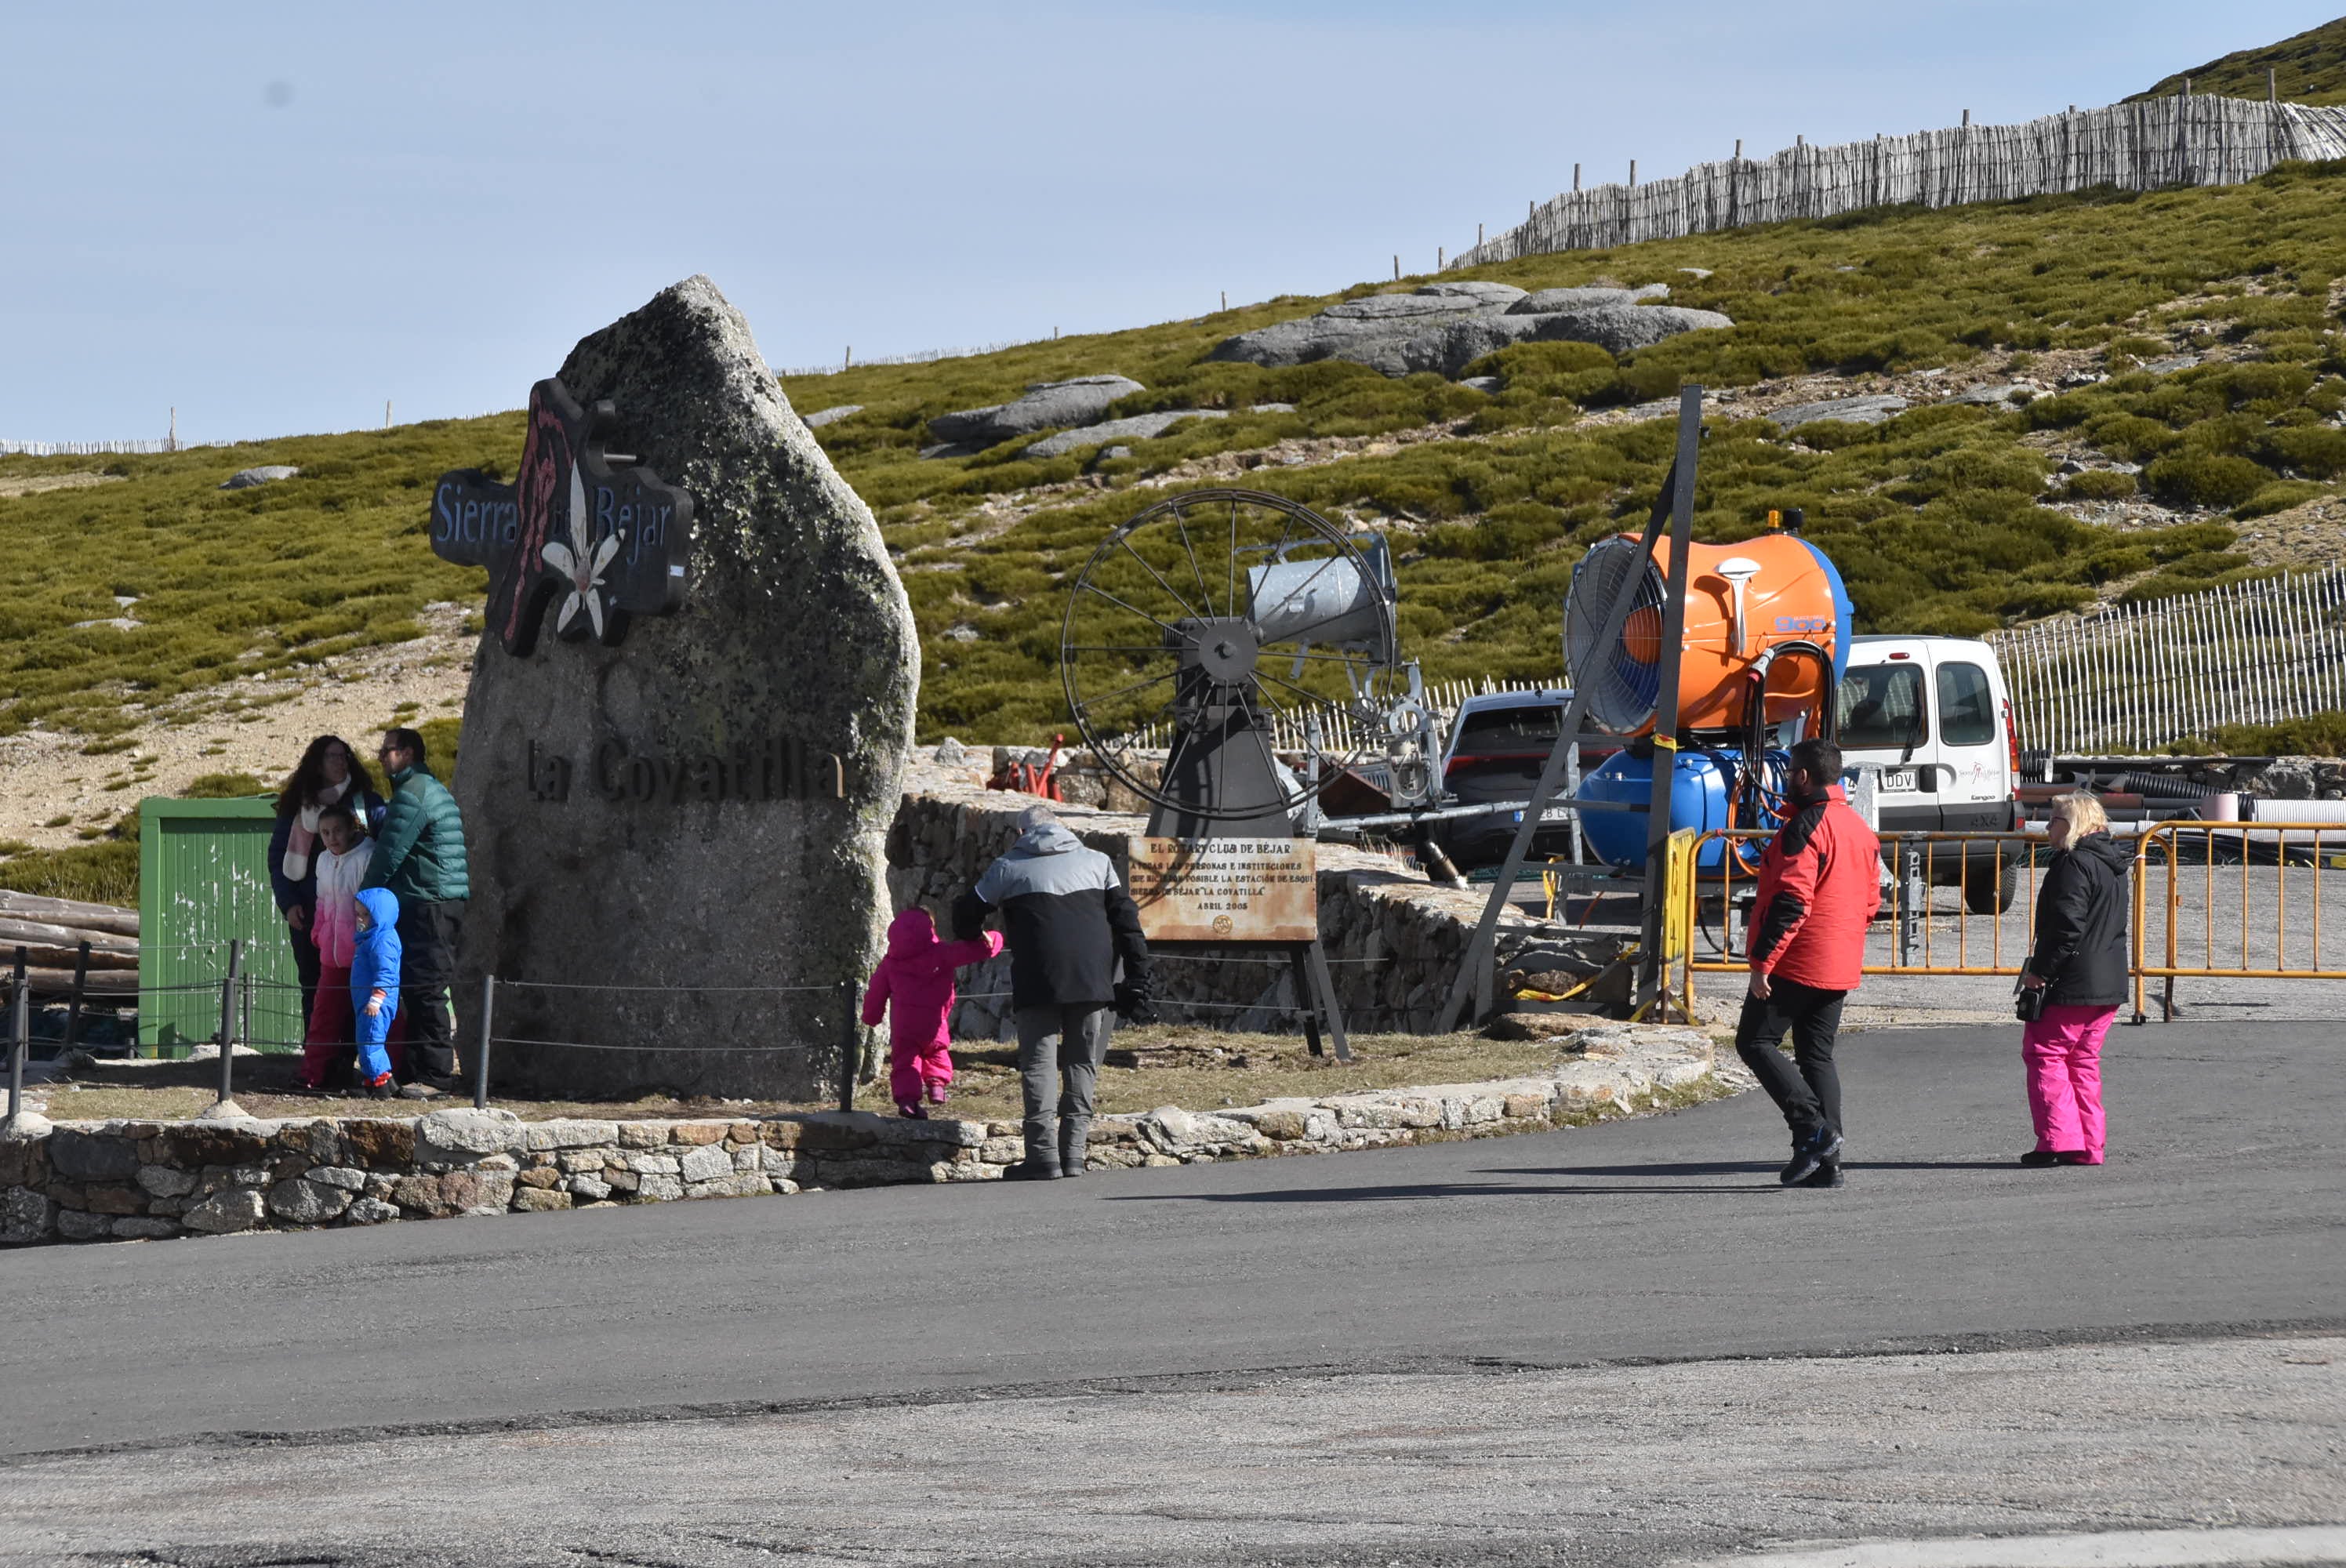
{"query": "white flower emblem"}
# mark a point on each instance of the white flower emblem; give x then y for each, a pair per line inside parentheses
(582, 565)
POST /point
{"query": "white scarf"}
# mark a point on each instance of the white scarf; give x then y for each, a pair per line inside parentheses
(304, 834)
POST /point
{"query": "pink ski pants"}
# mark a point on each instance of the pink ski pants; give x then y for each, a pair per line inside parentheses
(913, 1068)
(2063, 1050)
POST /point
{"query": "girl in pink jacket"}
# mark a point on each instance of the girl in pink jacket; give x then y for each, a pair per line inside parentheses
(914, 986)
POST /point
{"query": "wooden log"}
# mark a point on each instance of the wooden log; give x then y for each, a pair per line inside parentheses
(103, 985)
(103, 947)
(108, 917)
(69, 954)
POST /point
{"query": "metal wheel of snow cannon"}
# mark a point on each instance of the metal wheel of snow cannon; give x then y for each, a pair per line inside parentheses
(1234, 626)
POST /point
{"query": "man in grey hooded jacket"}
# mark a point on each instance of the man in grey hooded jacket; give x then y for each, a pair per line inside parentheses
(1068, 922)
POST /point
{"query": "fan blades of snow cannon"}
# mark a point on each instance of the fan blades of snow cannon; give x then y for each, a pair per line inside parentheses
(1744, 602)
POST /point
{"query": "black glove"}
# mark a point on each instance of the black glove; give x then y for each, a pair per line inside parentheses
(1135, 1001)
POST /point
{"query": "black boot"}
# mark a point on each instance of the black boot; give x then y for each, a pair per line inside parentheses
(1033, 1169)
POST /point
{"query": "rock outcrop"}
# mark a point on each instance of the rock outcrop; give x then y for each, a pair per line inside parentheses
(1140, 427)
(1445, 327)
(267, 474)
(666, 813)
(1082, 401)
(1870, 409)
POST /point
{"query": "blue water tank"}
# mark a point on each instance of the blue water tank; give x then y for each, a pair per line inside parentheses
(1699, 785)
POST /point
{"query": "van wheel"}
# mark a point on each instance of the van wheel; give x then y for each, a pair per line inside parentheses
(1980, 898)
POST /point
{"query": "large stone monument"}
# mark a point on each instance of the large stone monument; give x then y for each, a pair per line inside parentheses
(687, 727)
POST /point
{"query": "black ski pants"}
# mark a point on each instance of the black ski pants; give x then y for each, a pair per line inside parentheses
(1807, 1089)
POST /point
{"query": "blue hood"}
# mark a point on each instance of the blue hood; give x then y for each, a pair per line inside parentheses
(382, 907)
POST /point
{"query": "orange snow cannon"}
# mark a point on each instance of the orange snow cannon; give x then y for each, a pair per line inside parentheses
(1747, 602)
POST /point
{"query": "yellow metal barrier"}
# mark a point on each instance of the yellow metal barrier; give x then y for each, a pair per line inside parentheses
(2239, 900)
(2240, 867)
(2003, 892)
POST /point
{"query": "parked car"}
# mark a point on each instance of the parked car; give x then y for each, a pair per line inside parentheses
(1935, 716)
(1498, 743)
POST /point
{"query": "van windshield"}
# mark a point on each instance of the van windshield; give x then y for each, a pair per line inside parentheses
(1881, 706)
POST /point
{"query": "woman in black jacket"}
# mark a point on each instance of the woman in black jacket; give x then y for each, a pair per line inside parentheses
(2079, 964)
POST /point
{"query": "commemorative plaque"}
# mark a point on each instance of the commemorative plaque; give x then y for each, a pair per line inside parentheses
(1227, 890)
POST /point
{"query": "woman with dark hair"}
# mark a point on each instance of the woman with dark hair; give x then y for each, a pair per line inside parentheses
(329, 774)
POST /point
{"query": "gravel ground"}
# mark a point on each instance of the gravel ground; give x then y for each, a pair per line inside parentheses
(1615, 1465)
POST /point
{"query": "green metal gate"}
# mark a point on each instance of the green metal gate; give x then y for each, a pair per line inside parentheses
(203, 880)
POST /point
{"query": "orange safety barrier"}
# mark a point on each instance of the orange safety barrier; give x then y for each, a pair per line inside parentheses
(2225, 857)
(2012, 859)
(2239, 900)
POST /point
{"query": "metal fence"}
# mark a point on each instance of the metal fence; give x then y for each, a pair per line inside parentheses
(2187, 139)
(2137, 677)
(1339, 734)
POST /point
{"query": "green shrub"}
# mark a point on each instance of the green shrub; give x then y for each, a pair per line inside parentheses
(103, 873)
(2101, 485)
(2129, 436)
(2206, 480)
(2316, 451)
(2307, 734)
(2280, 497)
(223, 787)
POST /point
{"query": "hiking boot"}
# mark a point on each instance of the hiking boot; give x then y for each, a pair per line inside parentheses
(1826, 1174)
(418, 1091)
(380, 1091)
(1809, 1156)
(2040, 1157)
(1033, 1169)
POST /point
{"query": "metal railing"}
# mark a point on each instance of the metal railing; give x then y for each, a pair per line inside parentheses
(2211, 900)
(2239, 868)
(1916, 864)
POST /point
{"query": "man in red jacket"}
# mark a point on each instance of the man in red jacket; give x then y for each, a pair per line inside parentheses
(1819, 884)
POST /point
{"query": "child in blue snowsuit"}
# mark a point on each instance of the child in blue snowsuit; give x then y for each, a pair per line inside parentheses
(374, 986)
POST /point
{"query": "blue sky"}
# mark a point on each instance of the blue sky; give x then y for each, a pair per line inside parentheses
(277, 217)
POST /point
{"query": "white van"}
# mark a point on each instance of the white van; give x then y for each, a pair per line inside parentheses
(1935, 716)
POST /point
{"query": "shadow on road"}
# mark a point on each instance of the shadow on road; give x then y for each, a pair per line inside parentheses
(1433, 1191)
(1749, 1168)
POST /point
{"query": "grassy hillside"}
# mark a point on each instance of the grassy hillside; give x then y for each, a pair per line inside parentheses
(2311, 69)
(1942, 519)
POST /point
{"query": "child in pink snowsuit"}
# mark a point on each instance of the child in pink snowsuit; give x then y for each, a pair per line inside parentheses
(914, 985)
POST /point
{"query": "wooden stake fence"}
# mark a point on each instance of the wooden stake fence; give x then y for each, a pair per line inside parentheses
(2162, 142)
(2138, 677)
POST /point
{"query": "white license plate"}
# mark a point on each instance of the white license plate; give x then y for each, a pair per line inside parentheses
(1553, 814)
(1906, 779)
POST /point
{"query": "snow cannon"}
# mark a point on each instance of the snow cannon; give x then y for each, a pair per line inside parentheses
(1767, 642)
(1747, 604)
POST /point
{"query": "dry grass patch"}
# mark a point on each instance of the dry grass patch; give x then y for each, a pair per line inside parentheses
(1197, 1070)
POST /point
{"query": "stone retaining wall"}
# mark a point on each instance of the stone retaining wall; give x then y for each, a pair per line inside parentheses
(88, 1181)
(1392, 940)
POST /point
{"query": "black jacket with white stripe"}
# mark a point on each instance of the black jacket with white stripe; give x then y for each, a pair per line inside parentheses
(1066, 916)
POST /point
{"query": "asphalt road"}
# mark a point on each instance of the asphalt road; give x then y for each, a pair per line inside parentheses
(1665, 1238)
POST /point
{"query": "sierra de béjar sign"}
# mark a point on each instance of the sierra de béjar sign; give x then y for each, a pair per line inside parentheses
(609, 538)
(609, 541)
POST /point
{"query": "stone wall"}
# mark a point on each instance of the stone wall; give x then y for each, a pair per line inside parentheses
(1394, 940)
(125, 1180)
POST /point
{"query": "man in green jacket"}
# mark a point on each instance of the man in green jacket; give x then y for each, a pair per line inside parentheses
(419, 856)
